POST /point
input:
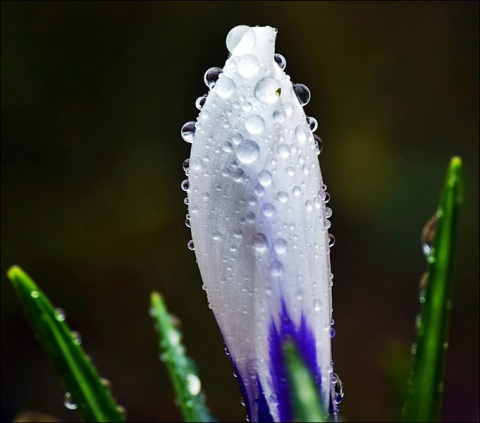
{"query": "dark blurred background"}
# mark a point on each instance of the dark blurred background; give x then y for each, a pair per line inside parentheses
(93, 98)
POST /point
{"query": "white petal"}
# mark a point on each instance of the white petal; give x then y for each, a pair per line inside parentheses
(257, 212)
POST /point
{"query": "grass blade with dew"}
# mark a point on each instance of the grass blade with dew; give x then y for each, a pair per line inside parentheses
(86, 389)
(425, 390)
(306, 402)
(181, 369)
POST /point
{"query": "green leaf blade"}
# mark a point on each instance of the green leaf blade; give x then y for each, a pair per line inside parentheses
(306, 401)
(425, 391)
(181, 369)
(94, 401)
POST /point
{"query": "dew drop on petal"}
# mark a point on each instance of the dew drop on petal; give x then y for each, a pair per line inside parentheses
(331, 240)
(225, 87)
(268, 210)
(77, 337)
(280, 61)
(34, 294)
(190, 245)
(317, 304)
(302, 93)
(279, 115)
(185, 185)
(276, 268)
(282, 196)
(211, 76)
(188, 131)
(193, 383)
(240, 40)
(200, 101)
(297, 191)
(265, 178)
(280, 246)
(186, 165)
(259, 242)
(248, 66)
(312, 123)
(268, 90)
(254, 124)
(248, 151)
(318, 144)
(283, 150)
(302, 133)
(60, 314)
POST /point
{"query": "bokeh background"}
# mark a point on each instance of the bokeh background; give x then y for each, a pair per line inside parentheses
(93, 98)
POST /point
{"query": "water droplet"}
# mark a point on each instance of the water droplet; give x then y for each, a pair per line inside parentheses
(276, 268)
(302, 93)
(265, 178)
(268, 210)
(224, 87)
(318, 144)
(237, 175)
(185, 185)
(317, 304)
(211, 76)
(280, 246)
(259, 242)
(240, 40)
(216, 236)
(188, 131)
(331, 240)
(237, 233)
(279, 115)
(122, 410)
(188, 224)
(186, 164)
(268, 90)
(297, 191)
(34, 294)
(190, 245)
(282, 196)
(254, 124)
(413, 348)
(428, 236)
(193, 383)
(309, 205)
(248, 151)
(283, 150)
(280, 61)
(248, 66)
(77, 338)
(105, 383)
(259, 190)
(312, 123)
(421, 296)
(68, 401)
(60, 314)
(200, 101)
(302, 133)
(250, 217)
(338, 393)
(328, 212)
(332, 332)
(290, 170)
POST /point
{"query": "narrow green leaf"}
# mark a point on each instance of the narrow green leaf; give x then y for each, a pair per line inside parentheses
(424, 396)
(86, 390)
(181, 369)
(306, 401)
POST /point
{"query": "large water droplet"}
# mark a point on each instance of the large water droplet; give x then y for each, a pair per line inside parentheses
(338, 393)
(280, 61)
(190, 245)
(297, 191)
(225, 87)
(259, 242)
(68, 401)
(240, 40)
(280, 246)
(265, 178)
(254, 124)
(200, 101)
(193, 383)
(302, 93)
(248, 151)
(268, 90)
(211, 76)
(188, 131)
(248, 66)
(279, 115)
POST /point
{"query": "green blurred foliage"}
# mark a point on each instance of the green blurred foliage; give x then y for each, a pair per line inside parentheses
(93, 98)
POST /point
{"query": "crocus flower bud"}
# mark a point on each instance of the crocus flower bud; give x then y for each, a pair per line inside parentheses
(259, 222)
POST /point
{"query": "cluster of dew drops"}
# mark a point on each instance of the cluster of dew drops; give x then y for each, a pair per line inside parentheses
(68, 401)
(302, 92)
